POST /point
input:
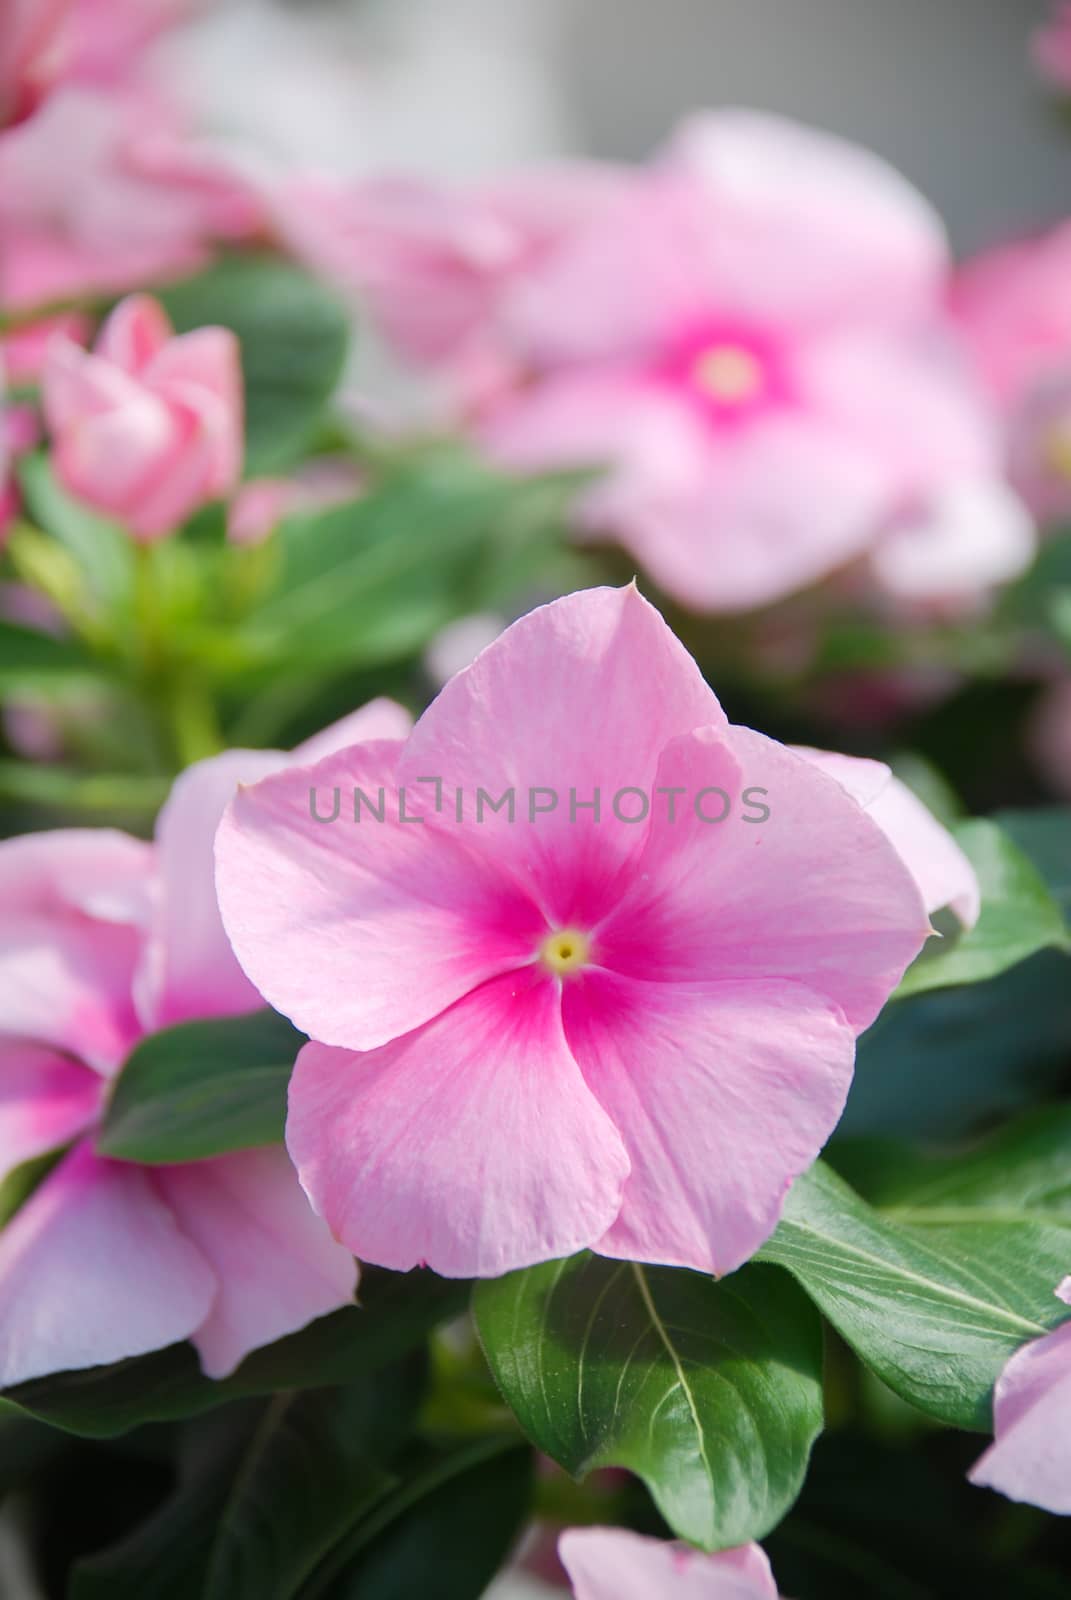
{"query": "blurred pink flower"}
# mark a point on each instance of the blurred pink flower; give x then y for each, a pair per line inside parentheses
(104, 938)
(615, 1564)
(31, 50)
(1030, 1458)
(751, 337)
(531, 986)
(100, 190)
(1012, 305)
(1051, 47)
(260, 505)
(147, 426)
(436, 264)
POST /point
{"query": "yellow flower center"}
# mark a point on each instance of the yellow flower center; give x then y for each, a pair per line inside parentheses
(729, 373)
(565, 951)
(1056, 451)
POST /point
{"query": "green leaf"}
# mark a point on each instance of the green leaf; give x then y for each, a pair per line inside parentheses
(395, 1312)
(103, 552)
(294, 337)
(305, 1479)
(709, 1391)
(1019, 917)
(936, 1295)
(202, 1088)
(445, 1530)
(373, 580)
(1045, 836)
(943, 1063)
(264, 1493)
(39, 662)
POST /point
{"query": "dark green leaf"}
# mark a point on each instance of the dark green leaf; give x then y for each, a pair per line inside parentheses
(294, 336)
(444, 1532)
(202, 1088)
(1045, 836)
(709, 1391)
(935, 1295)
(35, 661)
(1019, 917)
(395, 1312)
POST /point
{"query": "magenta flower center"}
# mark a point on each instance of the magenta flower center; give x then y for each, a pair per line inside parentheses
(566, 950)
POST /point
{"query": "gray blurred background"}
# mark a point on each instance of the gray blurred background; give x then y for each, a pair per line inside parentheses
(943, 88)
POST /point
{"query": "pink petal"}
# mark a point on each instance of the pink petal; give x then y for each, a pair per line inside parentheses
(1030, 1458)
(66, 982)
(577, 696)
(616, 1564)
(98, 871)
(831, 229)
(970, 538)
(722, 1092)
(815, 893)
(381, 718)
(360, 931)
(276, 1265)
(93, 1269)
(133, 333)
(472, 1145)
(943, 873)
(45, 1100)
(188, 969)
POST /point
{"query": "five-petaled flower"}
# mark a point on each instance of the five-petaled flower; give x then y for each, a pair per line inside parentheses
(584, 1032)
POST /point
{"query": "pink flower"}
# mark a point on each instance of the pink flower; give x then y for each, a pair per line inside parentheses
(751, 338)
(1051, 47)
(556, 1031)
(100, 190)
(147, 427)
(102, 939)
(941, 870)
(435, 265)
(30, 53)
(614, 1564)
(1013, 308)
(1030, 1458)
(259, 506)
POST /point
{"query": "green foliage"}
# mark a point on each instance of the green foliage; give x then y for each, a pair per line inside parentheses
(711, 1392)
(201, 1088)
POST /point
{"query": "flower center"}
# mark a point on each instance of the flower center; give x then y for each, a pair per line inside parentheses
(566, 950)
(728, 373)
(1056, 451)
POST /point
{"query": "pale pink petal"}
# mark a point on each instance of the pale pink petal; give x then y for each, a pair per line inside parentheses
(908, 402)
(973, 536)
(616, 1564)
(471, 1145)
(66, 981)
(98, 871)
(187, 968)
(1030, 1458)
(361, 930)
(831, 228)
(815, 893)
(45, 1100)
(577, 696)
(276, 1265)
(93, 1269)
(200, 368)
(722, 1092)
(777, 507)
(624, 282)
(940, 868)
(381, 718)
(133, 334)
